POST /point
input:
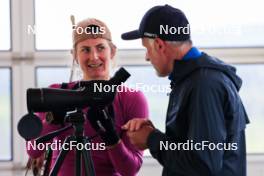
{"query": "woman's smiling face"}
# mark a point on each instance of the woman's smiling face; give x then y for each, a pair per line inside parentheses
(94, 57)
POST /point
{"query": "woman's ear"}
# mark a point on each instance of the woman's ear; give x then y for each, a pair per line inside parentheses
(113, 51)
(74, 55)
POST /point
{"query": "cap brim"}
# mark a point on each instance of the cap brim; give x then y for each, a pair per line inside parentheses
(131, 35)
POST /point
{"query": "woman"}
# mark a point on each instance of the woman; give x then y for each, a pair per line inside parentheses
(94, 52)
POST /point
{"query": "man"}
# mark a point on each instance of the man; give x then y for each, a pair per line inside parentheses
(206, 120)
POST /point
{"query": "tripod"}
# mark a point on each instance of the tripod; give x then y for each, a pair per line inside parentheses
(77, 121)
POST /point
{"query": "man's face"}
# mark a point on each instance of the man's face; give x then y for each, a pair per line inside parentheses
(155, 56)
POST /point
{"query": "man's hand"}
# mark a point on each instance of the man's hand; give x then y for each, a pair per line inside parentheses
(138, 131)
(139, 137)
(136, 123)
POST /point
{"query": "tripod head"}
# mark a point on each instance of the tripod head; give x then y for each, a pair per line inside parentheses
(75, 121)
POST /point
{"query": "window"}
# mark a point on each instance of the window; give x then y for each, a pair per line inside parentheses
(5, 25)
(157, 99)
(210, 27)
(251, 74)
(58, 75)
(154, 88)
(58, 28)
(253, 99)
(251, 95)
(5, 114)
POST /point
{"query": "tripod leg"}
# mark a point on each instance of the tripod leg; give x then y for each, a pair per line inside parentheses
(78, 163)
(86, 167)
(88, 162)
(61, 157)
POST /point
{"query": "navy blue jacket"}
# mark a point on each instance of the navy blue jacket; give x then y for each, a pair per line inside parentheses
(204, 108)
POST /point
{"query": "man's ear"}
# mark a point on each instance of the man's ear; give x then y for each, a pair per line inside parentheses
(159, 45)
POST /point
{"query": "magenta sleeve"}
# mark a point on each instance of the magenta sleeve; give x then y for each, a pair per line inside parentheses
(126, 159)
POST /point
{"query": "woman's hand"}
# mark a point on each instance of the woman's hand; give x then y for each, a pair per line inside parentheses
(102, 120)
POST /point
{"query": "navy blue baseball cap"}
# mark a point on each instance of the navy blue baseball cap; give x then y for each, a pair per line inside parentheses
(165, 22)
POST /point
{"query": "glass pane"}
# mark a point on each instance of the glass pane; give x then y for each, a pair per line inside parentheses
(251, 94)
(210, 27)
(137, 81)
(154, 88)
(5, 114)
(5, 24)
(157, 99)
(58, 75)
(253, 98)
